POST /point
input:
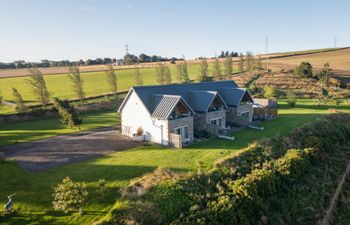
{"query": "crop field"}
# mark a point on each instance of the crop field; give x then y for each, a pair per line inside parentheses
(33, 203)
(95, 83)
(339, 61)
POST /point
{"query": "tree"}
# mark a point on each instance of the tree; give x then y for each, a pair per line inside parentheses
(102, 188)
(69, 195)
(112, 79)
(20, 105)
(182, 72)
(203, 70)
(269, 92)
(303, 70)
(138, 77)
(1, 99)
(291, 99)
(163, 74)
(241, 63)
(167, 75)
(77, 82)
(130, 59)
(67, 113)
(217, 70)
(249, 61)
(38, 86)
(259, 63)
(228, 66)
(325, 74)
(144, 58)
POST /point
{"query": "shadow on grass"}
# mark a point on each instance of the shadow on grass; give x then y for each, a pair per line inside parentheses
(283, 124)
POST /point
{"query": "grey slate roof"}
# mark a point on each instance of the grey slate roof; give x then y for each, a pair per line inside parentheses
(165, 105)
(233, 96)
(201, 100)
(147, 93)
(160, 100)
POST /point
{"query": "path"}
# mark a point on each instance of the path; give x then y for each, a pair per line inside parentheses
(52, 152)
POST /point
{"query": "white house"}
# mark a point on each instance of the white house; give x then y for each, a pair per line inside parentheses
(167, 112)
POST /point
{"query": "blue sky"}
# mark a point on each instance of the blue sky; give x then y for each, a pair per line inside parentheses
(79, 29)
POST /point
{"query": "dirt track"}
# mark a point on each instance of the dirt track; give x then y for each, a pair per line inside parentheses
(52, 152)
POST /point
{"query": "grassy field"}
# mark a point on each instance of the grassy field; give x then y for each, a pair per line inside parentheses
(94, 82)
(33, 190)
(44, 128)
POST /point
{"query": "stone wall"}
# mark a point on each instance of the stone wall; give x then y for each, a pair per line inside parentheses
(233, 114)
(176, 123)
(215, 115)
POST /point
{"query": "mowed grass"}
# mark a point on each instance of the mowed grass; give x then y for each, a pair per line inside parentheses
(43, 128)
(34, 190)
(95, 83)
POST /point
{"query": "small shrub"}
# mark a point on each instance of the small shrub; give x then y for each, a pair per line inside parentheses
(130, 213)
(303, 70)
(269, 92)
(2, 157)
(69, 195)
(139, 131)
(140, 186)
(291, 99)
(102, 188)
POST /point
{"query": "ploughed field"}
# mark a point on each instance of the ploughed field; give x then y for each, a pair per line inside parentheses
(339, 61)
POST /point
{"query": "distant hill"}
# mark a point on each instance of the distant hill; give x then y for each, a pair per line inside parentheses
(339, 60)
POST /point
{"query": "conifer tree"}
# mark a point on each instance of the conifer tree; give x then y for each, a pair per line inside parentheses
(228, 66)
(38, 86)
(77, 82)
(138, 77)
(217, 70)
(20, 105)
(112, 79)
(203, 70)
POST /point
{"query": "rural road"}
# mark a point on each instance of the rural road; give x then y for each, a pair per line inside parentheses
(52, 152)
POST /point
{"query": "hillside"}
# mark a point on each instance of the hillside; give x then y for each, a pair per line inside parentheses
(339, 61)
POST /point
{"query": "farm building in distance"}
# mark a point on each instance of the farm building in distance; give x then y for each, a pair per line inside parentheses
(169, 114)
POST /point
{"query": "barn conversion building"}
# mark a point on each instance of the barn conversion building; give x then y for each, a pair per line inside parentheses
(169, 114)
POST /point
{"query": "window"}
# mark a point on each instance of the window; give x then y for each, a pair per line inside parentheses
(217, 122)
(245, 114)
(183, 131)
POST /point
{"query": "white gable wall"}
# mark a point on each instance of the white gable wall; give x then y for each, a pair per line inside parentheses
(134, 115)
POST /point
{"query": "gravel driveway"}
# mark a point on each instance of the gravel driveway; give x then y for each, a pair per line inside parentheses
(52, 152)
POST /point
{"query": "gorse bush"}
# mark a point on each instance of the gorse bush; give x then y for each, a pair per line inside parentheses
(254, 187)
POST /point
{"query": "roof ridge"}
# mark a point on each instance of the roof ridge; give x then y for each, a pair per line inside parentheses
(182, 84)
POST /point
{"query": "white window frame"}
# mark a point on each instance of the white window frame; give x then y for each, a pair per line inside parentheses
(217, 118)
(181, 129)
(240, 114)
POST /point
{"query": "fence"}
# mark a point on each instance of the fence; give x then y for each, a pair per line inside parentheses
(265, 111)
(212, 129)
(175, 140)
(7, 103)
(266, 102)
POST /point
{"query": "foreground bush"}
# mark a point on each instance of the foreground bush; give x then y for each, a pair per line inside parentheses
(69, 195)
(271, 182)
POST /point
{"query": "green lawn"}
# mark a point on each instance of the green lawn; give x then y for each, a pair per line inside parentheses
(33, 191)
(43, 128)
(94, 82)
